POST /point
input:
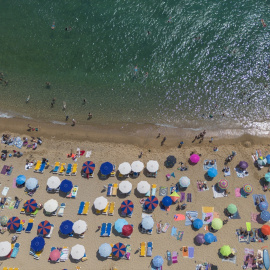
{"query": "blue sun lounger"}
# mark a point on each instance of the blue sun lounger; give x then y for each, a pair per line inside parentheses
(42, 167)
(103, 229)
(80, 211)
(29, 225)
(109, 229)
(109, 191)
(69, 168)
(15, 250)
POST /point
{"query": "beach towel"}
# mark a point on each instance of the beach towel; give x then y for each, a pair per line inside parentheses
(207, 167)
(189, 197)
(218, 194)
(254, 197)
(10, 170)
(242, 238)
(163, 191)
(206, 228)
(247, 258)
(193, 215)
(16, 206)
(203, 189)
(4, 170)
(182, 196)
(191, 252)
(185, 253)
(235, 216)
(207, 218)
(14, 183)
(207, 209)
(240, 173)
(248, 225)
(11, 205)
(254, 217)
(146, 215)
(180, 235)
(82, 152)
(5, 191)
(216, 215)
(176, 188)
(237, 192)
(232, 260)
(228, 173)
(174, 231)
(18, 142)
(88, 154)
(255, 237)
(178, 217)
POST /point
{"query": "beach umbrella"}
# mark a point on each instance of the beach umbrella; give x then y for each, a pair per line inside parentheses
(50, 206)
(53, 182)
(247, 189)
(174, 196)
(147, 223)
(77, 252)
(143, 187)
(152, 166)
(232, 209)
(243, 164)
(30, 205)
(262, 161)
(170, 161)
(125, 187)
(197, 223)
(217, 224)
(127, 207)
(137, 166)
(38, 243)
(265, 229)
(200, 238)
(88, 167)
(119, 250)
(265, 216)
(212, 172)
(13, 223)
(225, 250)
(31, 183)
(106, 168)
(66, 227)
(158, 261)
(4, 220)
(267, 177)
(184, 181)
(194, 158)
(66, 186)
(79, 227)
(5, 248)
(44, 227)
(263, 206)
(127, 230)
(55, 255)
(124, 168)
(151, 203)
(119, 223)
(223, 184)
(209, 238)
(100, 203)
(20, 179)
(268, 159)
(167, 201)
(105, 250)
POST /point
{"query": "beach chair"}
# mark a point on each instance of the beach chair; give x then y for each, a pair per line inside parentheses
(103, 229)
(69, 169)
(86, 208)
(20, 229)
(175, 257)
(111, 210)
(42, 167)
(74, 169)
(64, 254)
(128, 252)
(29, 225)
(114, 189)
(165, 227)
(81, 207)
(113, 172)
(159, 228)
(22, 211)
(105, 211)
(148, 194)
(153, 190)
(149, 249)
(109, 190)
(109, 229)
(34, 213)
(56, 167)
(50, 233)
(15, 250)
(74, 192)
(62, 169)
(37, 166)
(61, 210)
(143, 249)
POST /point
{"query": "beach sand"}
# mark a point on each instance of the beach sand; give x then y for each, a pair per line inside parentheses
(118, 146)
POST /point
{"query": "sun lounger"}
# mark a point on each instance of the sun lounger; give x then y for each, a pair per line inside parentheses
(114, 189)
(128, 252)
(29, 225)
(149, 249)
(81, 207)
(111, 209)
(148, 193)
(143, 249)
(15, 250)
(62, 169)
(74, 192)
(64, 254)
(113, 172)
(174, 257)
(109, 229)
(34, 213)
(103, 229)
(50, 233)
(165, 227)
(20, 229)
(42, 167)
(37, 255)
(56, 167)
(109, 190)
(86, 208)
(37, 166)
(22, 211)
(74, 169)
(61, 210)
(69, 169)
(154, 190)
(105, 211)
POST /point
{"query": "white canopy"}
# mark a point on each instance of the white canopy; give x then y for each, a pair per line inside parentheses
(77, 252)
(124, 168)
(100, 203)
(152, 166)
(79, 226)
(147, 223)
(125, 186)
(50, 206)
(143, 187)
(5, 248)
(137, 166)
(53, 182)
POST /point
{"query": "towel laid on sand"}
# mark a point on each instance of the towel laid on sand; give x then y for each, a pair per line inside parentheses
(207, 218)
(182, 197)
(248, 258)
(255, 196)
(240, 173)
(178, 217)
(218, 194)
(191, 252)
(174, 231)
(208, 166)
(88, 154)
(228, 173)
(163, 191)
(193, 215)
(237, 192)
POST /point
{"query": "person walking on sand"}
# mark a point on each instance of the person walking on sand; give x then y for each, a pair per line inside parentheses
(73, 122)
(90, 116)
(163, 141)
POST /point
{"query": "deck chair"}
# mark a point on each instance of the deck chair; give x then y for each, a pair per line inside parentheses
(74, 169)
(86, 208)
(29, 225)
(113, 173)
(56, 167)
(22, 211)
(42, 167)
(165, 227)
(15, 250)
(64, 254)
(143, 249)
(114, 189)
(34, 213)
(149, 249)
(69, 169)
(20, 229)
(81, 207)
(61, 210)
(109, 190)
(109, 229)
(154, 189)
(62, 169)
(175, 257)
(49, 235)
(37, 166)
(103, 229)
(105, 211)
(111, 209)
(74, 192)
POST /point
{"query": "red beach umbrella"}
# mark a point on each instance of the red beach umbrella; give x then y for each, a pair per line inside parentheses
(265, 229)
(127, 230)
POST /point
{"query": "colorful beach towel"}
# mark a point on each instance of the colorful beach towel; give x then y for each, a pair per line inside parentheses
(242, 238)
(207, 209)
(208, 166)
(249, 259)
(176, 187)
(207, 218)
(5, 191)
(14, 183)
(16, 206)
(193, 215)
(179, 217)
(88, 154)
(180, 235)
(237, 192)
(189, 197)
(174, 231)
(255, 196)
(4, 170)
(240, 173)
(228, 173)
(204, 188)
(218, 194)
(191, 252)
(182, 196)
(163, 191)
(254, 217)
(248, 226)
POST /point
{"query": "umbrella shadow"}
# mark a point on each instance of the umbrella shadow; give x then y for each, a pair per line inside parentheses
(100, 258)
(63, 236)
(94, 211)
(207, 177)
(103, 177)
(138, 194)
(263, 182)
(63, 194)
(218, 189)
(73, 260)
(121, 195)
(259, 220)
(115, 232)
(119, 177)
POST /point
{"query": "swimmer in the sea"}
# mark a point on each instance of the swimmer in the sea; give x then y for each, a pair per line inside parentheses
(135, 70)
(53, 26)
(170, 20)
(263, 23)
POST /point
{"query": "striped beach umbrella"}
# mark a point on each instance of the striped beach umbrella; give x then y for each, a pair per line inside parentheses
(127, 207)
(262, 161)
(38, 243)
(223, 184)
(247, 189)
(106, 168)
(119, 250)
(13, 223)
(88, 167)
(175, 196)
(151, 203)
(30, 205)
(66, 186)
(44, 227)
(4, 220)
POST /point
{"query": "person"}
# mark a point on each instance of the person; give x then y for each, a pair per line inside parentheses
(225, 221)
(146, 75)
(215, 149)
(67, 117)
(211, 139)
(84, 101)
(163, 141)
(135, 70)
(140, 155)
(180, 144)
(148, 32)
(190, 218)
(53, 26)
(48, 84)
(73, 122)
(90, 115)
(263, 23)
(170, 20)
(158, 135)
(14, 238)
(52, 104)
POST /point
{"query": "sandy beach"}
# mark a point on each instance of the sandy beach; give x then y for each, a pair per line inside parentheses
(125, 145)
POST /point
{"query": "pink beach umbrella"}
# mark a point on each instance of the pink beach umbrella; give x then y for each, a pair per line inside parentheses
(194, 158)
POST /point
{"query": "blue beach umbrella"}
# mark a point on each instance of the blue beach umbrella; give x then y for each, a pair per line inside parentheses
(38, 243)
(66, 227)
(263, 206)
(212, 172)
(268, 159)
(31, 183)
(197, 223)
(267, 177)
(158, 261)
(210, 238)
(106, 168)
(66, 186)
(119, 223)
(20, 179)
(167, 201)
(265, 216)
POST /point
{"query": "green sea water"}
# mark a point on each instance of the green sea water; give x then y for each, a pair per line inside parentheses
(202, 58)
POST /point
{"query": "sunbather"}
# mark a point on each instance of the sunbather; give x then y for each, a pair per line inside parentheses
(190, 218)
(200, 184)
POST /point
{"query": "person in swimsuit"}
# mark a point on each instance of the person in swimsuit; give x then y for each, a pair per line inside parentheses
(135, 70)
(53, 26)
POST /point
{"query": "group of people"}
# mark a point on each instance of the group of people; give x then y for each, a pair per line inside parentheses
(200, 137)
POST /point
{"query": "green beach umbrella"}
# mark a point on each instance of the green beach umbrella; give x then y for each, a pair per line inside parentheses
(232, 209)
(217, 223)
(267, 177)
(225, 250)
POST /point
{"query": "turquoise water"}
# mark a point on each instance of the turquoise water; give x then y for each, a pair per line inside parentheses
(211, 58)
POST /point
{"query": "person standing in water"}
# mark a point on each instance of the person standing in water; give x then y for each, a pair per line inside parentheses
(53, 26)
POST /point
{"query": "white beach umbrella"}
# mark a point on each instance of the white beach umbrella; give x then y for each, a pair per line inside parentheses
(77, 252)
(50, 206)
(100, 203)
(53, 182)
(152, 166)
(143, 187)
(105, 250)
(124, 168)
(184, 181)
(147, 223)
(79, 226)
(137, 166)
(125, 186)
(31, 183)
(5, 248)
